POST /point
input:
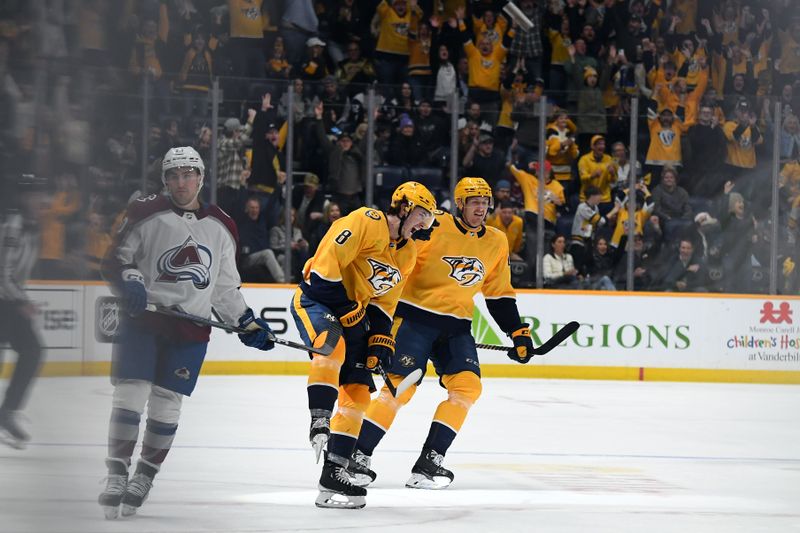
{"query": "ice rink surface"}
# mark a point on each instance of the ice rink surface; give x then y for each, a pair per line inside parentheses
(534, 455)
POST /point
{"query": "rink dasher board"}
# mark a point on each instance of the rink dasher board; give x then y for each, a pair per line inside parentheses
(623, 336)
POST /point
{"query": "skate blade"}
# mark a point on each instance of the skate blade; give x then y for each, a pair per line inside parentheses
(7, 439)
(318, 443)
(335, 500)
(111, 513)
(128, 510)
(418, 481)
(360, 480)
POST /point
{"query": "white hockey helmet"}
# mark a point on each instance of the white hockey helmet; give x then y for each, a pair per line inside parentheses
(181, 156)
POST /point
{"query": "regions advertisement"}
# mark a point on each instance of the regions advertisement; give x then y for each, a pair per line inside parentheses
(712, 332)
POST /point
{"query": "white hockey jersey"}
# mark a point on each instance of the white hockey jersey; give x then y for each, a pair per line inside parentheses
(187, 259)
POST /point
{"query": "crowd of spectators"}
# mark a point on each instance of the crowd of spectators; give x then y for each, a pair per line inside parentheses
(77, 75)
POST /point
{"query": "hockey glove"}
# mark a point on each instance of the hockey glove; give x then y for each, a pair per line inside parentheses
(354, 328)
(380, 351)
(134, 295)
(424, 234)
(523, 345)
(260, 336)
(352, 316)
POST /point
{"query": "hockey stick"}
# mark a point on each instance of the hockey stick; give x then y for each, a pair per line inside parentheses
(409, 380)
(560, 336)
(322, 350)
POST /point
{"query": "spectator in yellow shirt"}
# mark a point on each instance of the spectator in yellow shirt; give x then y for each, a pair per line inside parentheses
(391, 51)
(246, 43)
(553, 197)
(598, 169)
(484, 63)
(742, 135)
(665, 142)
(562, 150)
(506, 221)
(98, 241)
(66, 202)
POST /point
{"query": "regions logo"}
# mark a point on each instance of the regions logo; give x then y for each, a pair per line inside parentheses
(188, 262)
(384, 277)
(467, 271)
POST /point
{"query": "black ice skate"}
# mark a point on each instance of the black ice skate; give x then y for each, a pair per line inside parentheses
(428, 472)
(359, 471)
(138, 489)
(11, 432)
(320, 430)
(335, 489)
(116, 483)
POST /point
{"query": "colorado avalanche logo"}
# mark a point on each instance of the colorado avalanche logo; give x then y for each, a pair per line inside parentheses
(384, 277)
(188, 262)
(467, 271)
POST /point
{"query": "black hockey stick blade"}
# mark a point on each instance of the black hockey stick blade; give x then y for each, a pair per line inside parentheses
(322, 350)
(560, 336)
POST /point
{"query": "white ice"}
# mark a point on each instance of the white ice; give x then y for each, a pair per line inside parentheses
(534, 455)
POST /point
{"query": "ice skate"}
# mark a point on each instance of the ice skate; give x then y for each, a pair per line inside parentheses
(116, 483)
(335, 489)
(359, 471)
(11, 432)
(320, 430)
(138, 489)
(428, 472)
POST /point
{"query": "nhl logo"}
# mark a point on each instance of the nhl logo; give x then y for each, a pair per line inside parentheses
(183, 373)
(107, 319)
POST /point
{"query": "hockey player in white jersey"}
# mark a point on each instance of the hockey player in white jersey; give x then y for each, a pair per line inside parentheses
(171, 251)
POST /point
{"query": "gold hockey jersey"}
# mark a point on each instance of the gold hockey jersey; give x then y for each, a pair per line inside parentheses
(454, 265)
(358, 255)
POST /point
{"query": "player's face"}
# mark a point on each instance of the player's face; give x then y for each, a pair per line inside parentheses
(475, 210)
(183, 185)
(417, 219)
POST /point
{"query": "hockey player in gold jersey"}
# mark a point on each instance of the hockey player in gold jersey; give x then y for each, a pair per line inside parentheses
(434, 319)
(355, 277)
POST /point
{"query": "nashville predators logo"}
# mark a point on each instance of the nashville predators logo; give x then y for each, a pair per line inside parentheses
(384, 277)
(401, 28)
(467, 271)
(744, 141)
(667, 137)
